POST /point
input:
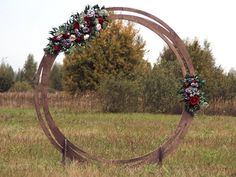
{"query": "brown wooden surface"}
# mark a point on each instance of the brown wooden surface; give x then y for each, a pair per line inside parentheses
(71, 151)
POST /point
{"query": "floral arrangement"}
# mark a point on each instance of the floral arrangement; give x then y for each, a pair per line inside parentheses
(191, 93)
(79, 29)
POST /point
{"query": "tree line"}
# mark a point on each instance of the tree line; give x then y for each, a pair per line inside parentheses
(22, 79)
(113, 66)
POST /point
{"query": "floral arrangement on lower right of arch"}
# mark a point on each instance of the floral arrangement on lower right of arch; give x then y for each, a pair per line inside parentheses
(192, 94)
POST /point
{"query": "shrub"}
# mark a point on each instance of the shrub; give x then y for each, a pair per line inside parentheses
(21, 86)
(5, 84)
(6, 77)
(120, 95)
(160, 93)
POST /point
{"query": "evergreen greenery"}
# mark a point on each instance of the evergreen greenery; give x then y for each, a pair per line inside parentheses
(6, 77)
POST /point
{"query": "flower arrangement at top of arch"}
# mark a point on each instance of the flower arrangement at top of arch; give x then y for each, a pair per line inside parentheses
(76, 31)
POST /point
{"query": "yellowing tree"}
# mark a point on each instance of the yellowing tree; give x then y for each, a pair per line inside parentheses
(118, 51)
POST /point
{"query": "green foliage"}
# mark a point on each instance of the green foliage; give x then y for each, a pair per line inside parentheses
(120, 95)
(160, 91)
(29, 69)
(55, 78)
(6, 77)
(21, 86)
(204, 64)
(118, 50)
(161, 84)
(231, 86)
(19, 75)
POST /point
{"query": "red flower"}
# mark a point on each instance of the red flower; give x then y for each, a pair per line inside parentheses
(66, 35)
(194, 100)
(89, 21)
(56, 48)
(76, 25)
(86, 18)
(100, 20)
(78, 40)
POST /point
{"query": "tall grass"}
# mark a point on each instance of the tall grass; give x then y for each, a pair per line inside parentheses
(221, 107)
(88, 102)
(92, 102)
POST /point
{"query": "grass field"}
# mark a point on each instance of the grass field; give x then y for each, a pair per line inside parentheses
(209, 148)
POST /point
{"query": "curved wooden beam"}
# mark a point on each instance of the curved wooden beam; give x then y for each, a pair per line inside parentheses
(181, 46)
(57, 138)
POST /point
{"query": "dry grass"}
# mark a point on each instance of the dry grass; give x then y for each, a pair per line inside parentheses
(88, 102)
(209, 149)
(221, 107)
(91, 102)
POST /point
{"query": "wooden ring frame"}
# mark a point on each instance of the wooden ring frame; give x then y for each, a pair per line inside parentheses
(65, 146)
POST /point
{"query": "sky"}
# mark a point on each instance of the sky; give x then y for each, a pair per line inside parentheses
(25, 25)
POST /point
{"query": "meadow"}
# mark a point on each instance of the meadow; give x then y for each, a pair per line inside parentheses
(209, 149)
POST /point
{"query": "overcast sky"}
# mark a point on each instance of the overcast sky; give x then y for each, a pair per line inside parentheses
(25, 25)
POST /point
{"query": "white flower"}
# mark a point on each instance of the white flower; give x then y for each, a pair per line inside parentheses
(86, 29)
(188, 90)
(98, 27)
(91, 13)
(86, 37)
(194, 84)
(72, 37)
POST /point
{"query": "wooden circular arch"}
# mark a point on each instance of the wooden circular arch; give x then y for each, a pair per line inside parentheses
(65, 146)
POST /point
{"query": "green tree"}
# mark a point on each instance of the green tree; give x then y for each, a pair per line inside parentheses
(6, 77)
(118, 50)
(160, 91)
(204, 64)
(120, 95)
(55, 78)
(21, 86)
(29, 69)
(161, 85)
(19, 75)
(231, 80)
